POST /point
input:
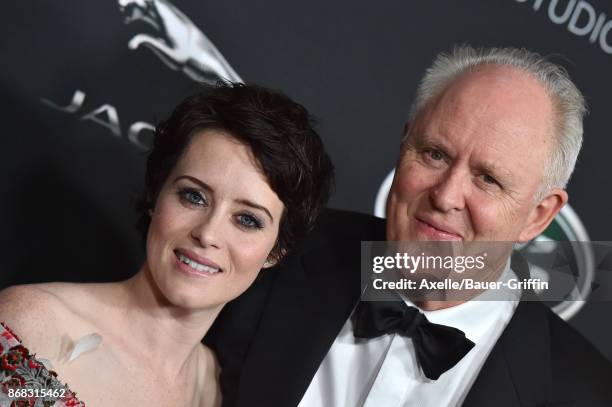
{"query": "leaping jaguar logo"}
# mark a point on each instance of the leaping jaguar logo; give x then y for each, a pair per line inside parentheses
(181, 45)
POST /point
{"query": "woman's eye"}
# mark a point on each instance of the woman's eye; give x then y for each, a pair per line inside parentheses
(249, 221)
(192, 197)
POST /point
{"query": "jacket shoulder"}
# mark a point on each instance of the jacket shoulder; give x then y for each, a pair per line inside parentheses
(336, 224)
(577, 368)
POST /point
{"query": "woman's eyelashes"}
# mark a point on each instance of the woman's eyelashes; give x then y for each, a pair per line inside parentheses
(194, 198)
(249, 221)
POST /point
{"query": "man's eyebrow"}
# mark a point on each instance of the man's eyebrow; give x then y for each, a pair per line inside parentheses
(492, 168)
(240, 201)
(488, 167)
(437, 142)
(421, 137)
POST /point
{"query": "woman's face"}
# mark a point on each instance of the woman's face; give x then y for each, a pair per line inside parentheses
(215, 222)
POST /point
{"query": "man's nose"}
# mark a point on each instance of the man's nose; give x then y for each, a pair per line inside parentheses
(208, 230)
(448, 193)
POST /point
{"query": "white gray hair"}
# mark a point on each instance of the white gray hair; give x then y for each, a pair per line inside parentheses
(569, 104)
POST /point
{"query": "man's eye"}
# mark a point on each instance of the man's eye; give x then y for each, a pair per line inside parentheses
(435, 155)
(192, 197)
(249, 221)
(490, 180)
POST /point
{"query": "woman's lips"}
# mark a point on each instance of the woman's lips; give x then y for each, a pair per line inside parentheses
(194, 265)
(434, 231)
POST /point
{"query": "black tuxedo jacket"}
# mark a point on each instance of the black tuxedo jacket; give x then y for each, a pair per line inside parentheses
(271, 340)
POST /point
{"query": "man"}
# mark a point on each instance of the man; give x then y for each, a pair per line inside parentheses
(491, 142)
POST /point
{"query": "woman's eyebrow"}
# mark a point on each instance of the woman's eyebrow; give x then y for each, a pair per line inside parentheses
(255, 206)
(246, 202)
(194, 180)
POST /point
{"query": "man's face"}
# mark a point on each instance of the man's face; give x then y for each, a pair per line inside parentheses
(474, 161)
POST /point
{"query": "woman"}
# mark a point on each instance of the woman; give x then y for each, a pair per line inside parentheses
(233, 179)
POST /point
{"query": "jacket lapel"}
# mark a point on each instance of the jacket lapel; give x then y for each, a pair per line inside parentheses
(310, 301)
(518, 370)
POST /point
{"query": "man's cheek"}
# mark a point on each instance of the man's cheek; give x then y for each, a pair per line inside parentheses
(490, 223)
(406, 187)
(398, 222)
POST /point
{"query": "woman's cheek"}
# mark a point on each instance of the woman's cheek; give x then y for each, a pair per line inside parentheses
(251, 252)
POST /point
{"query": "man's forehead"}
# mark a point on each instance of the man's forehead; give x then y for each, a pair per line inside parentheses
(501, 115)
(495, 95)
(499, 100)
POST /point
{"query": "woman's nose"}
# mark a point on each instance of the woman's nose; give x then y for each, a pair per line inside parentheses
(208, 230)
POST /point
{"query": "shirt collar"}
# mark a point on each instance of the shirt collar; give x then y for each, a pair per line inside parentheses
(474, 317)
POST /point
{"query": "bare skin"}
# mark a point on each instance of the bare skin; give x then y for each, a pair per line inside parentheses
(173, 369)
(213, 227)
(473, 162)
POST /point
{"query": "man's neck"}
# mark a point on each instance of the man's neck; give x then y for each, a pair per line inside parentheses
(437, 305)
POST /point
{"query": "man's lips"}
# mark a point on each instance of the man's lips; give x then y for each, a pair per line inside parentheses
(437, 230)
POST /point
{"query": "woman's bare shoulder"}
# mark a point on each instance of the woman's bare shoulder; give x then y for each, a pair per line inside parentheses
(40, 313)
(27, 300)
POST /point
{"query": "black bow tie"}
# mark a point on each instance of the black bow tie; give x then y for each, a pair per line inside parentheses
(437, 347)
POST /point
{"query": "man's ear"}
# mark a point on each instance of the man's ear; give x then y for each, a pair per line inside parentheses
(404, 140)
(406, 131)
(544, 213)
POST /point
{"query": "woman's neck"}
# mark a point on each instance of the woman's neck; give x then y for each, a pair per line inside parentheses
(166, 336)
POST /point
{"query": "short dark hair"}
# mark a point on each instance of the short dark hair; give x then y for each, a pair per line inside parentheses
(280, 135)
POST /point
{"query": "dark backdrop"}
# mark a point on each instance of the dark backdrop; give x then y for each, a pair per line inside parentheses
(71, 173)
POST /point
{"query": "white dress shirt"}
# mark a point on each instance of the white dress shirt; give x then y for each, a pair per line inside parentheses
(384, 371)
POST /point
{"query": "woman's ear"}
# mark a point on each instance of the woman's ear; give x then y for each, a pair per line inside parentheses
(273, 258)
(269, 263)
